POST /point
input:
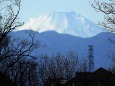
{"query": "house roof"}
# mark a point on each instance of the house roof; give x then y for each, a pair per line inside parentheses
(103, 74)
(99, 74)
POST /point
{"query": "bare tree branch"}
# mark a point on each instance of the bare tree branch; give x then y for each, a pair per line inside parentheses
(108, 8)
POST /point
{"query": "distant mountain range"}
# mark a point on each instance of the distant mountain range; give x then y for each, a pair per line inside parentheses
(65, 31)
(62, 43)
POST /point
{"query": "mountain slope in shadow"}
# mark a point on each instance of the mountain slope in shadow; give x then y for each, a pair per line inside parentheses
(63, 43)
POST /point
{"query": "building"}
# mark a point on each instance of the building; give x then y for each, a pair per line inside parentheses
(100, 77)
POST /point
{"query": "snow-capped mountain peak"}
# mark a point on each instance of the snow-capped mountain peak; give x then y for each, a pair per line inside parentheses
(64, 23)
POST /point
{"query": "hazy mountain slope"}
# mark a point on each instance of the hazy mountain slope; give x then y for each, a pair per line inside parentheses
(64, 23)
(56, 43)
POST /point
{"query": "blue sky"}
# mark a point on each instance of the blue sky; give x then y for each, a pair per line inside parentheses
(33, 8)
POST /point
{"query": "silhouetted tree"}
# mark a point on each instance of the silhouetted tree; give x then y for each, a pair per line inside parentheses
(60, 66)
(108, 8)
(14, 50)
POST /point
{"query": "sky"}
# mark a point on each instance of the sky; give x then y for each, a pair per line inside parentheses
(34, 8)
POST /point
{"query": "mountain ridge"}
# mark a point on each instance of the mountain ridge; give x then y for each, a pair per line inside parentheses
(56, 42)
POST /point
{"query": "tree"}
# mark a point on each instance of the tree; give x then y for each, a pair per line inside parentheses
(59, 66)
(9, 11)
(14, 50)
(14, 53)
(111, 55)
(108, 8)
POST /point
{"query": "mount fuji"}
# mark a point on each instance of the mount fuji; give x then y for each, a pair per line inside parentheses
(64, 23)
(65, 31)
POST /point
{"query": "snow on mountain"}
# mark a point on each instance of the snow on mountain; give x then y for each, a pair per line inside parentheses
(64, 23)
